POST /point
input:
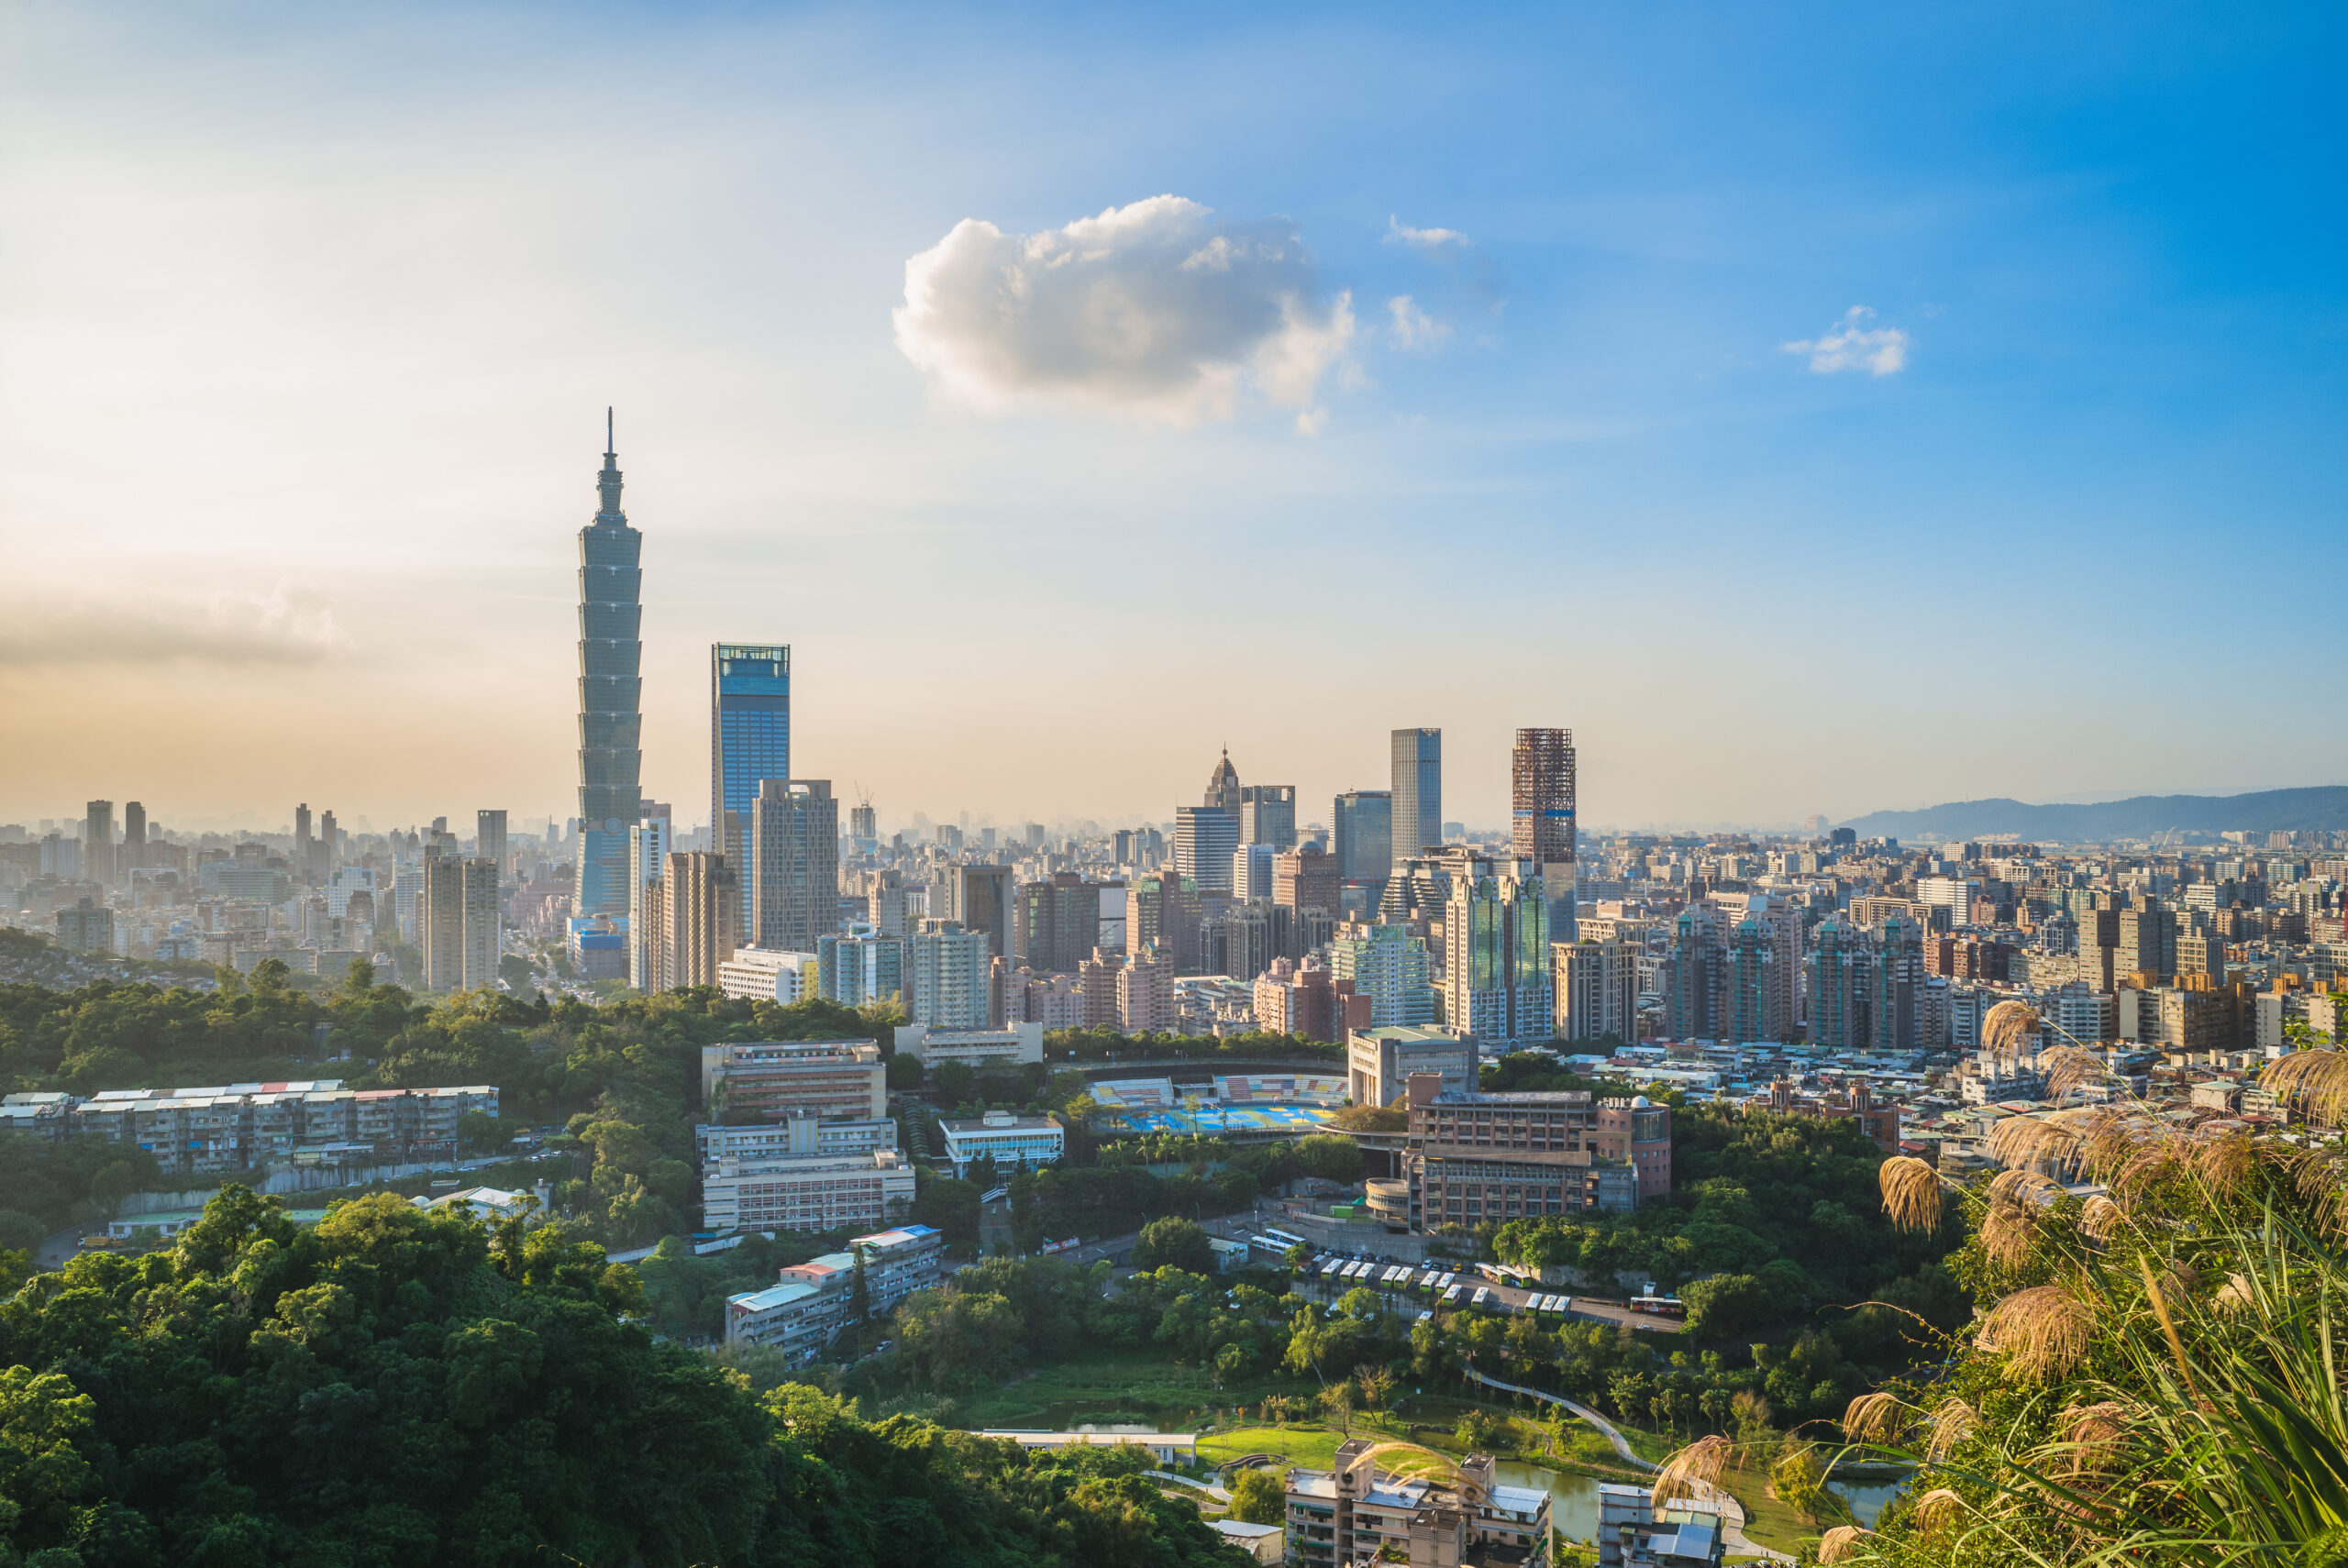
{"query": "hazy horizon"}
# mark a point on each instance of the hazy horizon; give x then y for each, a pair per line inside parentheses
(1816, 415)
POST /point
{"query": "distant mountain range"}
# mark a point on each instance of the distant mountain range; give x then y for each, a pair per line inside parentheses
(2324, 808)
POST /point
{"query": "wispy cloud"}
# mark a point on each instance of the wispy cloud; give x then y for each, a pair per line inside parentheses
(1401, 232)
(292, 624)
(1157, 309)
(1414, 328)
(1852, 344)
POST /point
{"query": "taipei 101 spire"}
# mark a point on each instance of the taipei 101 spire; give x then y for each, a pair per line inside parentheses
(611, 615)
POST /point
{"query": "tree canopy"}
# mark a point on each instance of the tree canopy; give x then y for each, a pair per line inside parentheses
(399, 1386)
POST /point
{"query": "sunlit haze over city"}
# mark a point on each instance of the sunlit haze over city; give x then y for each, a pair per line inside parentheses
(1185, 786)
(1820, 412)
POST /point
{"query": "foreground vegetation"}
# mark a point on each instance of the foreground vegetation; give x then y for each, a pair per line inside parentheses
(394, 1387)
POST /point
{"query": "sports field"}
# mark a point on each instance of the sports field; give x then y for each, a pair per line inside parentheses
(1209, 1121)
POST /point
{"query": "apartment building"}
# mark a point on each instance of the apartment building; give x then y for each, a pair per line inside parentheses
(1474, 1156)
(1358, 1513)
(812, 1301)
(899, 1262)
(768, 1080)
(238, 1127)
(819, 1191)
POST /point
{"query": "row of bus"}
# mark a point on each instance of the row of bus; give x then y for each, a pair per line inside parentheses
(1443, 1287)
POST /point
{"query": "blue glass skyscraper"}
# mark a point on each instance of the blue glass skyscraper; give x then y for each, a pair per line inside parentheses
(749, 739)
(611, 613)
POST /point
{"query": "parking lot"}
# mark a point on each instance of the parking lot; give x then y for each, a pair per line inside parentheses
(1445, 1287)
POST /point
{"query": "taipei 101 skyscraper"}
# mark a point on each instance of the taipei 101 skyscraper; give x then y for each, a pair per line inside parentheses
(611, 650)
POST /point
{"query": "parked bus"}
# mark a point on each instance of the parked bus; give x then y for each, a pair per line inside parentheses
(1660, 1306)
(1286, 1237)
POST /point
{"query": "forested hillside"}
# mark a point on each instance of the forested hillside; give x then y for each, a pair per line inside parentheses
(397, 1388)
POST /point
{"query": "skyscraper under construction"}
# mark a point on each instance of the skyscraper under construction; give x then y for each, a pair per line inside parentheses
(1541, 786)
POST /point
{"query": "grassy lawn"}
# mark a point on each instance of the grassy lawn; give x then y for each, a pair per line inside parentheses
(1119, 1386)
(1316, 1447)
(1769, 1522)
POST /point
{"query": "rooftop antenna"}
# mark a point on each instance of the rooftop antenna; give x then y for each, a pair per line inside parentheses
(609, 448)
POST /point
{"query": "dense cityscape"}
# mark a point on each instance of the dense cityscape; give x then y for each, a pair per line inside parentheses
(1368, 787)
(1415, 1077)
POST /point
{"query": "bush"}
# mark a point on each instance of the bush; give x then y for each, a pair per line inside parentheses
(1257, 1498)
(1176, 1244)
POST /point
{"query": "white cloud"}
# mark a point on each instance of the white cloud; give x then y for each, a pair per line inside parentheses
(292, 624)
(1155, 309)
(1851, 345)
(1401, 232)
(1414, 328)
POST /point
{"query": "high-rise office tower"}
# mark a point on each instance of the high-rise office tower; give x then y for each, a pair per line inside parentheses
(1204, 839)
(1252, 867)
(864, 826)
(1222, 787)
(701, 910)
(302, 837)
(1541, 780)
(795, 864)
(1056, 923)
(329, 843)
(489, 837)
(1267, 815)
(977, 899)
(750, 742)
(134, 834)
(1363, 831)
(97, 840)
(1417, 799)
(1162, 910)
(1497, 978)
(611, 654)
(1305, 879)
(649, 846)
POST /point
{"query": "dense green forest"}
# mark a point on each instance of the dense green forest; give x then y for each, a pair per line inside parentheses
(392, 1386)
(1772, 1216)
(620, 1081)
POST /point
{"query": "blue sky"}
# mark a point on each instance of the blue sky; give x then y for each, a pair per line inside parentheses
(314, 313)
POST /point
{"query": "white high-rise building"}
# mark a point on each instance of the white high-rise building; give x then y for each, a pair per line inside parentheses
(946, 976)
(649, 844)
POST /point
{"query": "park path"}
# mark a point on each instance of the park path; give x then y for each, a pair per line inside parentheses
(1217, 1493)
(1732, 1511)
